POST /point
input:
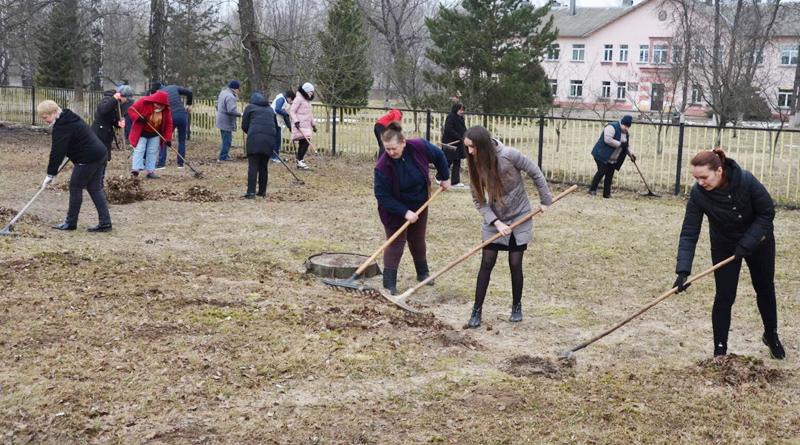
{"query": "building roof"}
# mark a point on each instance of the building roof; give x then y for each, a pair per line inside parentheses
(587, 20)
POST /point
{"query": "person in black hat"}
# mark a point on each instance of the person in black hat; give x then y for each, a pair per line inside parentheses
(609, 153)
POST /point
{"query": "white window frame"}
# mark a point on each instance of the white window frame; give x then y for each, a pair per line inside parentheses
(578, 52)
(677, 55)
(784, 98)
(660, 53)
(553, 52)
(789, 55)
(575, 88)
(622, 90)
(554, 87)
(644, 53)
(623, 53)
(608, 53)
(605, 90)
(697, 94)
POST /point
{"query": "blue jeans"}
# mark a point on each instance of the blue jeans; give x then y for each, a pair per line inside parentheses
(181, 123)
(225, 149)
(277, 150)
(149, 145)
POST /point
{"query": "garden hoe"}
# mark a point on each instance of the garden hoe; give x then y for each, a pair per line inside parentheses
(7, 229)
(400, 300)
(649, 192)
(568, 353)
(197, 174)
(350, 283)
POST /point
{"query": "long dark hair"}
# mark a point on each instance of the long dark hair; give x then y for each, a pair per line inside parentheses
(483, 173)
(713, 159)
(456, 107)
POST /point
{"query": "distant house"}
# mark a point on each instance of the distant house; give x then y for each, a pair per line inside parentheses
(622, 58)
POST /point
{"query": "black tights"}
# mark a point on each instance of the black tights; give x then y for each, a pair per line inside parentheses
(485, 274)
(301, 152)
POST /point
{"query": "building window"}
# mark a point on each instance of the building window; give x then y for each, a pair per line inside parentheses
(575, 88)
(644, 53)
(660, 54)
(789, 55)
(578, 52)
(621, 88)
(553, 51)
(605, 90)
(699, 55)
(677, 55)
(608, 53)
(784, 97)
(697, 94)
(554, 87)
(758, 57)
(623, 53)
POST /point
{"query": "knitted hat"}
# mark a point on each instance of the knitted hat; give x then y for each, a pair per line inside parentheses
(125, 91)
(626, 120)
(234, 85)
(307, 87)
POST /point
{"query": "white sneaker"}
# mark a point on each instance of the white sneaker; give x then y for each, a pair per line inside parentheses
(460, 186)
(437, 181)
(275, 160)
(302, 164)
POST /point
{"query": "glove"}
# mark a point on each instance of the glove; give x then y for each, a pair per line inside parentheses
(47, 180)
(624, 145)
(121, 123)
(297, 125)
(741, 252)
(141, 120)
(314, 127)
(168, 143)
(633, 158)
(117, 96)
(680, 283)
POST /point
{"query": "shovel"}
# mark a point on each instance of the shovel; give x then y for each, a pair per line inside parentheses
(400, 300)
(649, 192)
(350, 283)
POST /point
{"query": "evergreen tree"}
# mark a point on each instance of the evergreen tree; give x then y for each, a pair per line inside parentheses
(57, 48)
(343, 69)
(488, 54)
(193, 49)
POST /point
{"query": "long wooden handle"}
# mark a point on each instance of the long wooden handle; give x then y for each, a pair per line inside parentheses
(163, 138)
(641, 175)
(660, 298)
(397, 233)
(482, 245)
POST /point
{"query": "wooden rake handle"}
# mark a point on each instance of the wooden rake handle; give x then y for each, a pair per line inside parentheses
(397, 233)
(644, 308)
(481, 246)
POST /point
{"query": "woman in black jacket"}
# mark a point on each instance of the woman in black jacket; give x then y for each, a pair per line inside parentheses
(740, 213)
(453, 134)
(107, 117)
(73, 138)
(261, 128)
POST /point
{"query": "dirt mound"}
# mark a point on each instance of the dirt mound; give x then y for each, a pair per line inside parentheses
(527, 366)
(453, 338)
(194, 194)
(737, 370)
(124, 189)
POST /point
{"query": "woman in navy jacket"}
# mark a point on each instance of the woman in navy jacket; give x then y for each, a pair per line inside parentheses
(740, 213)
(261, 128)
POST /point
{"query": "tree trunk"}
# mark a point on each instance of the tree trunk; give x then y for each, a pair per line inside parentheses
(77, 50)
(156, 61)
(251, 48)
(794, 120)
(96, 45)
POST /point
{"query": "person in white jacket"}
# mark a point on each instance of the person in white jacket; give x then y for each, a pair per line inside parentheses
(281, 105)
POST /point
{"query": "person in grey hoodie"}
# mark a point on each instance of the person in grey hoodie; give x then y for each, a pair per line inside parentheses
(498, 191)
(261, 128)
(226, 118)
(180, 119)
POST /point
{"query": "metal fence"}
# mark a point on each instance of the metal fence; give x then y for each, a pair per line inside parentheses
(561, 146)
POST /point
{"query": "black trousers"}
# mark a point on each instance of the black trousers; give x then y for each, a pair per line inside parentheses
(762, 272)
(89, 177)
(257, 171)
(606, 170)
(455, 171)
(379, 130)
(301, 152)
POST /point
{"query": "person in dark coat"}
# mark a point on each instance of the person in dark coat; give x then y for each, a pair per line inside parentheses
(74, 139)
(740, 212)
(108, 115)
(261, 127)
(609, 154)
(453, 134)
(180, 119)
(402, 185)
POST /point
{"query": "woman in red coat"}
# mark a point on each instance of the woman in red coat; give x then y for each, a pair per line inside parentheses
(150, 116)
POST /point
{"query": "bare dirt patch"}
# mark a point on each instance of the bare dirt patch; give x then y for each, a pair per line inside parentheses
(737, 370)
(527, 366)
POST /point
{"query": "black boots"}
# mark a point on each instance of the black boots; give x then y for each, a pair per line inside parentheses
(422, 271)
(390, 280)
(100, 228)
(65, 226)
(776, 350)
(720, 349)
(475, 319)
(516, 313)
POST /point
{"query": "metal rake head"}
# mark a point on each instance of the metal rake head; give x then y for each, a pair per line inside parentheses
(399, 300)
(349, 285)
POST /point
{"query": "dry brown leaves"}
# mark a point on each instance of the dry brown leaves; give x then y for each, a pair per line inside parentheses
(737, 370)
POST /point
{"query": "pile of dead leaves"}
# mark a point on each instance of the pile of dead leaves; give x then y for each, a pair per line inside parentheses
(737, 370)
(194, 194)
(124, 189)
(527, 366)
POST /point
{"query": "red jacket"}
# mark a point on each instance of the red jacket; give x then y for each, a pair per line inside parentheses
(145, 107)
(394, 115)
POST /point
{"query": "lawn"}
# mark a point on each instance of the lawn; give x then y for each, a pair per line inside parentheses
(194, 321)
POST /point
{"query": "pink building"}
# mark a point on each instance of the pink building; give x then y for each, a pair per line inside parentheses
(623, 58)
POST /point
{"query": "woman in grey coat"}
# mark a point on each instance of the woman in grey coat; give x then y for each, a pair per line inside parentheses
(498, 191)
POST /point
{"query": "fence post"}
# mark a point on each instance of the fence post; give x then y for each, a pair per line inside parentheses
(333, 135)
(428, 125)
(680, 160)
(541, 140)
(33, 105)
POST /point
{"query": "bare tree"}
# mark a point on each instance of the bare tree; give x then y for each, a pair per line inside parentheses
(96, 45)
(156, 49)
(253, 49)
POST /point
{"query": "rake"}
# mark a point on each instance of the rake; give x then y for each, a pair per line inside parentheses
(662, 297)
(649, 192)
(315, 149)
(400, 300)
(350, 284)
(297, 180)
(197, 174)
(7, 229)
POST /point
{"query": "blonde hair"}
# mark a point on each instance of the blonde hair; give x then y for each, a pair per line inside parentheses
(46, 107)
